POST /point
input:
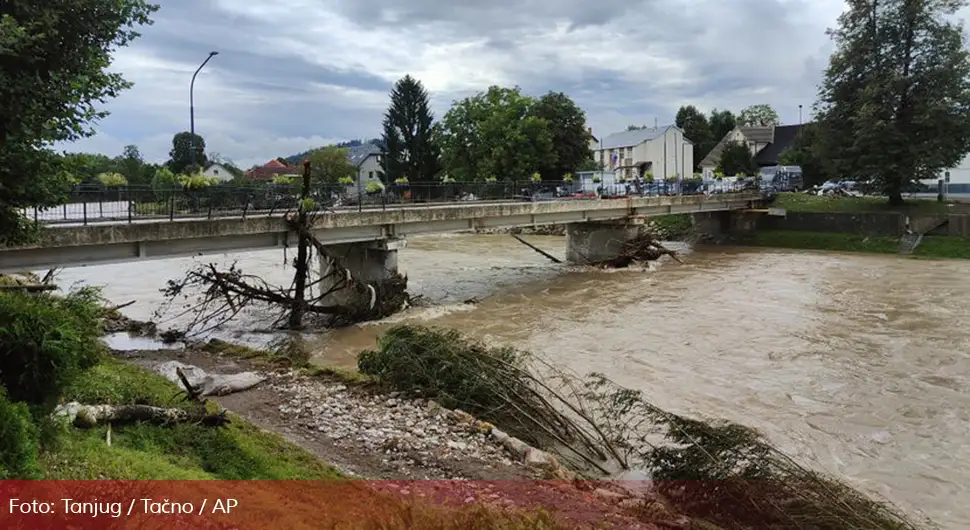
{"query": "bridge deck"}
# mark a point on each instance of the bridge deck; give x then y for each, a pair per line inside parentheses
(66, 245)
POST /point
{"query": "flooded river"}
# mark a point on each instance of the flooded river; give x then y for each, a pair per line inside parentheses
(856, 364)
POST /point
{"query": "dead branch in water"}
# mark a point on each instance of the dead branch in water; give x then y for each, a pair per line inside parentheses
(537, 249)
(219, 296)
(644, 247)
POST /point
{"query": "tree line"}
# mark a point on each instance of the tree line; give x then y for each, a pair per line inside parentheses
(498, 134)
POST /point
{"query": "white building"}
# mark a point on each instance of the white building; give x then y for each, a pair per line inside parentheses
(367, 159)
(662, 151)
(959, 177)
(217, 171)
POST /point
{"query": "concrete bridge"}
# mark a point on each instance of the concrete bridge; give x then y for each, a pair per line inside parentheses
(368, 239)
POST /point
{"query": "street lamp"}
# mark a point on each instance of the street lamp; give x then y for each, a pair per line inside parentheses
(192, 106)
(799, 114)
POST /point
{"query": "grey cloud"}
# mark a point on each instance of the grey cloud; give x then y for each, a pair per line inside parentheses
(729, 50)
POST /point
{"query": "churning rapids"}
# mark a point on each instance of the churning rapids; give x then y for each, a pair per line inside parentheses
(857, 364)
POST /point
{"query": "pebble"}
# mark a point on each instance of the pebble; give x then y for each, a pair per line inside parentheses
(403, 431)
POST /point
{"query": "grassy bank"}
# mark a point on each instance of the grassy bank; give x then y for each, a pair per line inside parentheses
(673, 227)
(182, 451)
(935, 247)
(803, 202)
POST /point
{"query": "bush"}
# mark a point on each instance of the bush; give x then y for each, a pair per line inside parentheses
(434, 364)
(45, 340)
(18, 438)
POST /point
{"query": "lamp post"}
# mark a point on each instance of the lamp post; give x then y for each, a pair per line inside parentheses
(192, 106)
(799, 114)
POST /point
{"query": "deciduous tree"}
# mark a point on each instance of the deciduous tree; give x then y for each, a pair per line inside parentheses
(180, 156)
(696, 129)
(410, 147)
(495, 134)
(329, 165)
(762, 115)
(736, 159)
(894, 105)
(53, 70)
(721, 123)
(570, 135)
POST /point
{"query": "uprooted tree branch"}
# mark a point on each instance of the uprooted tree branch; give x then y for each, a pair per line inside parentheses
(213, 296)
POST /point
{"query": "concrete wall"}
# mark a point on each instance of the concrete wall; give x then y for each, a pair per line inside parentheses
(592, 242)
(874, 223)
(366, 262)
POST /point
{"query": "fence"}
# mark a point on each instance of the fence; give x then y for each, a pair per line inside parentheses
(133, 204)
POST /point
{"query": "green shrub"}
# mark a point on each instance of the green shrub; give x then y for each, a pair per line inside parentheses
(374, 187)
(435, 364)
(45, 340)
(18, 440)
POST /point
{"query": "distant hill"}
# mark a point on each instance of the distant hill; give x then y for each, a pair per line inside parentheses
(297, 158)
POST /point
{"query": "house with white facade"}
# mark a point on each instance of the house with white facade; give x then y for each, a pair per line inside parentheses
(217, 171)
(367, 159)
(662, 151)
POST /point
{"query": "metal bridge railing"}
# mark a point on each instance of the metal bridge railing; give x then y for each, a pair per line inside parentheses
(133, 203)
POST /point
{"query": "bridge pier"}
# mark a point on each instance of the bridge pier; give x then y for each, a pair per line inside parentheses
(593, 241)
(370, 262)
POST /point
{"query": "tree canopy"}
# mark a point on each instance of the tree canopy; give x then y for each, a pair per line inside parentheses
(53, 70)
(894, 105)
(504, 134)
(736, 159)
(180, 157)
(570, 135)
(410, 147)
(329, 165)
(803, 153)
(762, 115)
(721, 122)
(696, 129)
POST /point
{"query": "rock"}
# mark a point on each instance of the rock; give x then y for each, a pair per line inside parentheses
(484, 427)
(536, 459)
(500, 436)
(608, 495)
(462, 417)
(516, 447)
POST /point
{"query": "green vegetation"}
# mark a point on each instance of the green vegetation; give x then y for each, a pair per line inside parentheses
(182, 451)
(548, 135)
(893, 91)
(72, 67)
(50, 351)
(804, 202)
(930, 247)
(45, 341)
(724, 473)
(411, 151)
(673, 227)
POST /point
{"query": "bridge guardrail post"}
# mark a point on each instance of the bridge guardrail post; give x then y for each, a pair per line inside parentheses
(171, 207)
(131, 205)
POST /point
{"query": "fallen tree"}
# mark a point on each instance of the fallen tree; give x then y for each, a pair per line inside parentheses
(713, 471)
(213, 296)
(87, 416)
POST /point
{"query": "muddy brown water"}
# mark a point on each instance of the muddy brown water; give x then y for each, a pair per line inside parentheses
(858, 365)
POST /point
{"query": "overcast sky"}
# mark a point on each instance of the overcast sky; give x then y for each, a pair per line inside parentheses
(297, 74)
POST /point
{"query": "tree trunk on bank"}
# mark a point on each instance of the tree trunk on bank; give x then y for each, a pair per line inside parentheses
(299, 280)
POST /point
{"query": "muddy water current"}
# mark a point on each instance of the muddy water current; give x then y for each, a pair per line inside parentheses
(856, 364)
